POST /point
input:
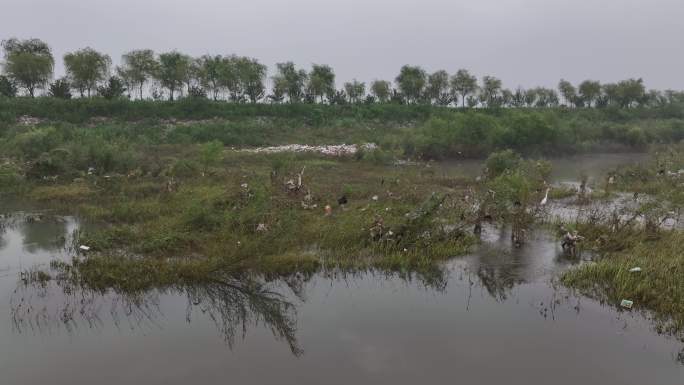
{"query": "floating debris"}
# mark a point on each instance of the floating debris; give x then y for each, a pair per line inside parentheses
(627, 304)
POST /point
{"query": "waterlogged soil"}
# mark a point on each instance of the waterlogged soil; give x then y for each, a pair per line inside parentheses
(495, 316)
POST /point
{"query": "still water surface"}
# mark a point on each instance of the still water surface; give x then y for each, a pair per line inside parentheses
(494, 317)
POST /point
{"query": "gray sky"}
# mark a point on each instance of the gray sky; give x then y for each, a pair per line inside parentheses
(523, 42)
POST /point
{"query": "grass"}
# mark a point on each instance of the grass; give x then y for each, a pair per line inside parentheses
(149, 236)
(658, 287)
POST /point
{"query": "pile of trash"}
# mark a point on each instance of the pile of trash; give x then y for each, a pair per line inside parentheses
(330, 149)
(26, 120)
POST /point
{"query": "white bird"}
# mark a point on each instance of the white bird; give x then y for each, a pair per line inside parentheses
(546, 197)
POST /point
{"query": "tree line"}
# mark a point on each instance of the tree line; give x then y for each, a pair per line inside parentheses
(29, 67)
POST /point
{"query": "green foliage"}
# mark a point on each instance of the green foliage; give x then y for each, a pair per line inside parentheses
(7, 87)
(437, 90)
(503, 161)
(289, 81)
(380, 89)
(463, 84)
(114, 88)
(321, 82)
(138, 66)
(172, 70)
(411, 82)
(210, 153)
(86, 68)
(355, 90)
(29, 63)
(60, 88)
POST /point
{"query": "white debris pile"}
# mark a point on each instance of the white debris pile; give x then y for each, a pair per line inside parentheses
(26, 120)
(330, 149)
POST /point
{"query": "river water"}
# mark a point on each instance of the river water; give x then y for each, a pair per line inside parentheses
(496, 316)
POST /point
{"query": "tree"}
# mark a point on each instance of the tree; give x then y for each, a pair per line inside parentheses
(230, 77)
(278, 90)
(321, 81)
(85, 68)
(252, 75)
(589, 91)
(355, 90)
(411, 82)
(114, 88)
(210, 74)
(191, 73)
(60, 88)
(29, 63)
(506, 98)
(127, 79)
(546, 97)
(610, 95)
(630, 92)
(139, 66)
(381, 90)
(569, 92)
(437, 90)
(291, 81)
(519, 98)
(463, 84)
(490, 93)
(7, 87)
(172, 70)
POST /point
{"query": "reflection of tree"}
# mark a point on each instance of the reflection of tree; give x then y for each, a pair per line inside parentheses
(4, 223)
(233, 305)
(43, 235)
(498, 280)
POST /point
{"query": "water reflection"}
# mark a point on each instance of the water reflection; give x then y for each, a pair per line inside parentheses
(234, 305)
(44, 234)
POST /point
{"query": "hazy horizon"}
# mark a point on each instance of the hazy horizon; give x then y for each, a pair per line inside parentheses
(523, 42)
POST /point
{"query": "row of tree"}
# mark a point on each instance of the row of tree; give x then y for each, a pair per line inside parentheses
(29, 65)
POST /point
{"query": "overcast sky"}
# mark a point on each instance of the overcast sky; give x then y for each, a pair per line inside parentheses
(523, 42)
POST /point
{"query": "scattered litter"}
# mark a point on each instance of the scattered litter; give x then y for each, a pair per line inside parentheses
(261, 227)
(328, 210)
(635, 270)
(244, 185)
(91, 170)
(84, 247)
(375, 198)
(627, 304)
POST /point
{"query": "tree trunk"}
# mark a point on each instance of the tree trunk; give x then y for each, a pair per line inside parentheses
(141, 87)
